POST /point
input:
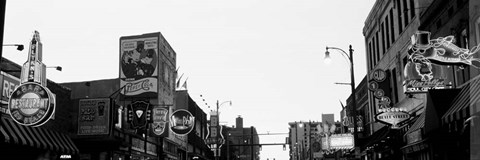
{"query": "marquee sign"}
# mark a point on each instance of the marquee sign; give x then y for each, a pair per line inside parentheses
(182, 122)
(394, 117)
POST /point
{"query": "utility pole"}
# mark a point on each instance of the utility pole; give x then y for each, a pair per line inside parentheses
(251, 141)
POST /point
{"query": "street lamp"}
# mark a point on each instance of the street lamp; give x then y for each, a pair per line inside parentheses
(58, 68)
(218, 125)
(352, 84)
(20, 47)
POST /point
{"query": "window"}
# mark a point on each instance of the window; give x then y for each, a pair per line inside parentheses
(399, 15)
(387, 34)
(383, 37)
(477, 29)
(370, 55)
(412, 9)
(392, 29)
(377, 53)
(395, 89)
(405, 13)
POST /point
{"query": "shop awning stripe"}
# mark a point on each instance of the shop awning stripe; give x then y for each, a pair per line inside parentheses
(17, 132)
(461, 105)
(70, 144)
(457, 103)
(10, 130)
(23, 131)
(56, 146)
(27, 133)
(40, 137)
(63, 139)
(5, 136)
(63, 145)
(419, 123)
(50, 145)
(32, 134)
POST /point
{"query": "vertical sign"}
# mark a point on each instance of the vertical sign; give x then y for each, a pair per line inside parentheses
(93, 116)
(139, 65)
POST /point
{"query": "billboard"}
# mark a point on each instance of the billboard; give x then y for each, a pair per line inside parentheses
(94, 116)
(139, 65)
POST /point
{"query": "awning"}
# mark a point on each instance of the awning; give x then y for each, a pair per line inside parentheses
(460, 108)
(376, 137)
(36, 137)
(419, 123)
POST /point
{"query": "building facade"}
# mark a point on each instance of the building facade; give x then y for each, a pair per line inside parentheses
(391, 28)
(197, 149)
(242, 143)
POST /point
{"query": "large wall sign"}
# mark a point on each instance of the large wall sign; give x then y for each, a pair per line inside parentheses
(8, 83)
(139, 65)
(394, 117)
(31, 104)
(182, 122)
(94, 116)
(159, 124)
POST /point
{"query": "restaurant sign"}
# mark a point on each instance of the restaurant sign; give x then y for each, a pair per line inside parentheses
(31, 104)
(394, 117)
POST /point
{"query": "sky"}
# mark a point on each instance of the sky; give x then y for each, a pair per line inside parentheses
(266, 56)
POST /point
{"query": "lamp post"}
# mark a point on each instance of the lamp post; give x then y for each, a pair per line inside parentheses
(218, 129)
(352, 84)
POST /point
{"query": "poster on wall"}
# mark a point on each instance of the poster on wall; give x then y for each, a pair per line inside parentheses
(94, 116)
(139, 65)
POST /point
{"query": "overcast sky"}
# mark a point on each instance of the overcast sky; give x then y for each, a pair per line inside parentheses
(266, 56)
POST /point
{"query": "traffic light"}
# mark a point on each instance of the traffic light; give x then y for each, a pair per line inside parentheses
(149, 115)
(129, 115)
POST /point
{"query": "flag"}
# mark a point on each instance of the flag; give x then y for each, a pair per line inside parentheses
(178, 81)
(185, 84)
(343, 107)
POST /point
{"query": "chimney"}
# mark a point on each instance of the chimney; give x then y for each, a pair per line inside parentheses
(239, 122)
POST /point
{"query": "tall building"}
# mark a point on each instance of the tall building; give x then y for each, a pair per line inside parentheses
(303, 135)
(242, 143)
(328, 118)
